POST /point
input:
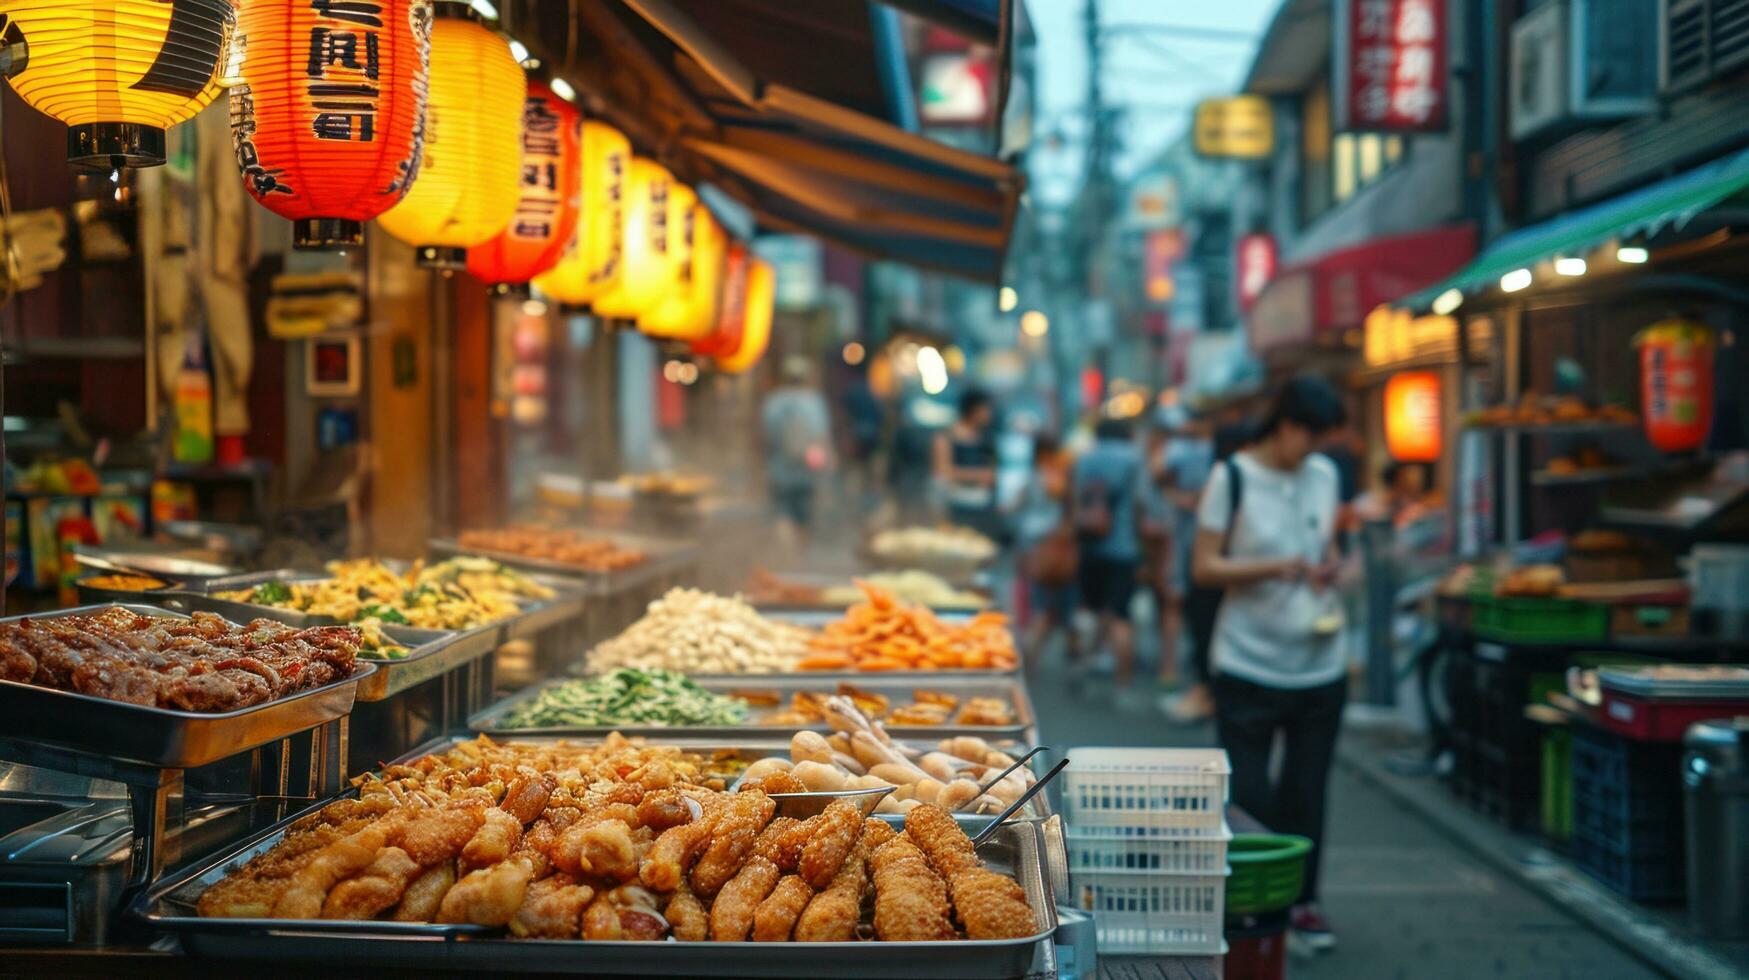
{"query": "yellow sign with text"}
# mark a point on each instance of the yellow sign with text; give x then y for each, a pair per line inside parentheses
(1238, 128)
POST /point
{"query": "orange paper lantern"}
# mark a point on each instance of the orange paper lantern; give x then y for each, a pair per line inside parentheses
(731, 308)
(471, 172)
(117, 72)
(546, 218)
(1412, 417)
(328, 113)
(756, 334)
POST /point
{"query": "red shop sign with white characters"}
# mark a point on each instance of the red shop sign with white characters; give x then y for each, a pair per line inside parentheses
(1394, 68)
(1256, 262)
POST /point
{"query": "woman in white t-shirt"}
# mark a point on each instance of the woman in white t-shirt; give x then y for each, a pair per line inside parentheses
(1266, 536)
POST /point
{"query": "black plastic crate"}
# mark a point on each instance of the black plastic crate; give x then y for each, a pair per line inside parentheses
(1653, 879)
(1627, 814)
(1497, 751)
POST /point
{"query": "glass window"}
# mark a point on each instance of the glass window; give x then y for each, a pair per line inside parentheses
(1342, 169)
(1372, 157)
(1315, 147)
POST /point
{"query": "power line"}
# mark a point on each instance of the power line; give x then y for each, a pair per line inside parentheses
(1185, 31)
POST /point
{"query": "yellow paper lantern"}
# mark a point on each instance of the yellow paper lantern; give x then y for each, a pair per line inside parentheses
(710, 244)
(469, 183)
(673, 316)
(592, 264)
(761, 304)
(117, 72)
(646, 244)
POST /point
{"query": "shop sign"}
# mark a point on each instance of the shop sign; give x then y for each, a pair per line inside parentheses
(1412, 417)
(1256, 261)
(1394, 336)
(1284, 314)
(1238, 128)
(1392, 66)
(1160, 250)
(958, 89)
(1154, 203)
(800, 264)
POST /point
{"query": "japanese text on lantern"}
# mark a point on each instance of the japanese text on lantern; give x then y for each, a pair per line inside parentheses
(1396, 66)
(345, 66)
(541, 157)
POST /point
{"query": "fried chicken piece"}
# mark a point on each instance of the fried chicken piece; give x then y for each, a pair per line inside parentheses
(664, 867)
(687, 916)
(941, 840)
(499, 835)
(250, 892)
(489, 896)
(776, 916)
(303, 897)
(831, 915)
(601, 920)
(527, 795)
(736, 903)
(833, 839)
(786, 851)
(552, 908)
(598, 847)
(374, 889)
(911, 903)
(425, 895)
(731, 841)
(664, 809)
(991, 905)
(438, 834)
(876, 832)
(778, 782)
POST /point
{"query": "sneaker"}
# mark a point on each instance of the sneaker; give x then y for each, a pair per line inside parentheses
(1311, 929)
(1192, 707)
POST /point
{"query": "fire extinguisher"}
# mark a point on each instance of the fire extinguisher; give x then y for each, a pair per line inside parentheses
(1676, 383)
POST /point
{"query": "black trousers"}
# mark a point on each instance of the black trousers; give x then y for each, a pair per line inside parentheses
(1247, 718)
(1202, 609)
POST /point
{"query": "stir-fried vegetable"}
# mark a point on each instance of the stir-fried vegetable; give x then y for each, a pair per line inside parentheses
(628, 697)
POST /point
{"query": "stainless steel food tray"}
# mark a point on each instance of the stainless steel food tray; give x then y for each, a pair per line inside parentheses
(431, 653)
(158, 736)
(661, 557)
(169, 907)
(1643, 683)
(897, 687)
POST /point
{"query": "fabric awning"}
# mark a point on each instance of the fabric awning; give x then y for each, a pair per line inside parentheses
(789, 109)
(1668, 204)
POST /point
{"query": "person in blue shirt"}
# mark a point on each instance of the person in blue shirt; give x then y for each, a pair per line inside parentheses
(1110, 491)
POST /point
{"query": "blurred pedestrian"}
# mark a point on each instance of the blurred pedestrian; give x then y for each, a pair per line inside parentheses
(1046, 540)
(965, 466)
(1109, 487)
(798, 432)
(1266, 535)
(1399, 496)
(1153, 575)
(1182, 474)
(865, 423)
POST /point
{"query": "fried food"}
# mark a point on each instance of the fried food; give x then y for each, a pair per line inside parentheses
(687, 916)
(833, 839)
(884, 634)
(425, 895)
(499, 834)
(832, 915)
(732, 839)
(665, 865)
(947, 848)
(991, 905)
(489, 896)
(779, 782)
(911, 901)
(876, 832)
(552, 908)
(565, 547)
(377, 888)
(775, 918)
(736, 902)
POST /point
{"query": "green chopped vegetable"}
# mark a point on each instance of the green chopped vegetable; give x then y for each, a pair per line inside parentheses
(271, 593)
(387, 614)
(627, 697)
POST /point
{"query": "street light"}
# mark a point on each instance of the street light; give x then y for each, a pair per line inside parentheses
(1569, 266)
(1446, 303)
(1515, 280)
(931, 371)
(1632, 255)
(854, 353)
(1034, 324)
(1007, 299)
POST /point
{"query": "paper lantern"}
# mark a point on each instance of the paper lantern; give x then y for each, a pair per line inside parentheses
(756, 335)
(546, 215)
(675, 316)
(703, 276)
(328, 111)
(646, 244)
(468, 185)
(1676, 383)
(591, 263)
(731, 307)
(117, 72)
(1412, 417)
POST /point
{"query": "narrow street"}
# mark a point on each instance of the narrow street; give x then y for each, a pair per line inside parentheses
(1407, 902)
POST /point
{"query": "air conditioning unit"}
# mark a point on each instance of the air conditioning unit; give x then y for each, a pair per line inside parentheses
(1700, 41)
(1579, 62)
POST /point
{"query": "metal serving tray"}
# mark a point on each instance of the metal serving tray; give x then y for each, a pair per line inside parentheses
(169, 907)
(660, 558)
(158, 736)
(1643, 683)
(897, 687)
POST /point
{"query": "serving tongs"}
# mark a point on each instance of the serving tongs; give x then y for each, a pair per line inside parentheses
(801, 806)
(1017, 805)
(1004, 774)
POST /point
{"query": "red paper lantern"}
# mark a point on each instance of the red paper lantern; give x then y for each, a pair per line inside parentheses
(1676, 383)
(546, 215)
(329, 114)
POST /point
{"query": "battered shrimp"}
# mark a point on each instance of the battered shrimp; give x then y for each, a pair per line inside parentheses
(833, 839)
(831, 915)
(910, 900)
(733, 910)
(776, 916)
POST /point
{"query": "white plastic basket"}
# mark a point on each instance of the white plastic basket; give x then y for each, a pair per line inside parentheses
(1137, 912)
(1098, 852)
(1147, 792)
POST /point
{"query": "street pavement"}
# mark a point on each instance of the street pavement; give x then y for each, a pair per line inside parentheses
(1405, 900)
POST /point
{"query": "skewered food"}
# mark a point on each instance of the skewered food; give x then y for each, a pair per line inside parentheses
(883, 634)
(198, 664)
(628, 697)
(589, 554)
(534, 840)
(695, 632)
(458, 594)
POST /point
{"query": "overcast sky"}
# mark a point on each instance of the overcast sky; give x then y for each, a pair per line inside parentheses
(1158, 74)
